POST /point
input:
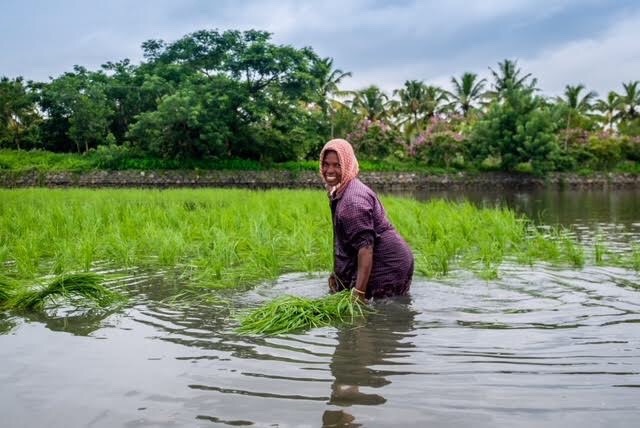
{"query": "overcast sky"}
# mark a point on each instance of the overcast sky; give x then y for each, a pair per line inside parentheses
(382, 42)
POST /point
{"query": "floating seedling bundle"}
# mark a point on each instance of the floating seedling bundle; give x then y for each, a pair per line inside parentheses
(291, 313)
(86, 287)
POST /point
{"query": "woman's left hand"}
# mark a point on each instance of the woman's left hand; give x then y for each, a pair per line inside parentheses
(358, 295)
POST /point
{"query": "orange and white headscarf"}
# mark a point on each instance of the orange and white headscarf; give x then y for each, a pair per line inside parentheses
(348, 162)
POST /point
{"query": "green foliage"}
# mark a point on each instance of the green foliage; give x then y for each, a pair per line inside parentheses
(606, 151)
(40, 160)
(518, 129)
(193, 122)
(296, 314)
(19, 121)
(375, 140)
(630, 127)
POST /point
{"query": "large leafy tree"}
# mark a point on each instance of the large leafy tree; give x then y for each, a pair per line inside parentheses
(18, 115)
(518, 131)
(77, 110)
(191, 122)
(466, 91)
(258, 83)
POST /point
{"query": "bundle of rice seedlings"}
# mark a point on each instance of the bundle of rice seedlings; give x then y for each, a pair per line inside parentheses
(290, 313)
(70, 287)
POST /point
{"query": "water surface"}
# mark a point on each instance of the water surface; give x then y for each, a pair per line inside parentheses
(541, 346)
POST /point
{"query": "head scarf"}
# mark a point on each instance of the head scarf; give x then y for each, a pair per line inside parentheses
(348, 162)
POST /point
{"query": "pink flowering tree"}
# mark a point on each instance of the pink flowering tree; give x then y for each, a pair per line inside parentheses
(375, 140)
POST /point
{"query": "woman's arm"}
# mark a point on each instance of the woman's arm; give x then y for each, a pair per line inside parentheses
(365, 263)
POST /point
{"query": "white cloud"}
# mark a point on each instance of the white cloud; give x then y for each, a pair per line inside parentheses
(601, 64)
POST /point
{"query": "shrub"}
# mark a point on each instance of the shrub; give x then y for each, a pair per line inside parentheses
(375, 140)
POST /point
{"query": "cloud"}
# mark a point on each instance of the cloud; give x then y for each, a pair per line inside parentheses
(601, 63)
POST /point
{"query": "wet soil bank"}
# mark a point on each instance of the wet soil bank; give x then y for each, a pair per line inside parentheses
(308, 179)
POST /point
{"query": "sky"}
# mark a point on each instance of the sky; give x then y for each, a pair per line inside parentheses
(381, 42)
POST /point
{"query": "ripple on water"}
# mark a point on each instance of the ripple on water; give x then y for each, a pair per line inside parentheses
(539, 344)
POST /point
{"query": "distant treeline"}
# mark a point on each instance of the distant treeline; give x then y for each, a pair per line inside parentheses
(237, 96)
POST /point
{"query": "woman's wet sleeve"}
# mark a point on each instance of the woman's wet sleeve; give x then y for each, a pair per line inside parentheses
(358, 224)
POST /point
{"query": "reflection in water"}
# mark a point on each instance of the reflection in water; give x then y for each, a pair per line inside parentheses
(550, 206)
(380, 340)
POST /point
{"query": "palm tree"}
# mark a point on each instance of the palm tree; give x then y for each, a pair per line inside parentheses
(370, 103)
(610, 109)
(575, 103)
(466, 91)
(435, 97)
(329, 79)
(411, 106)
(508, 77)
(630, 100)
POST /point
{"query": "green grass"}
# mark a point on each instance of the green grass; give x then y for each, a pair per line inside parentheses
(296, 314)
(40, 160)
(123, 158)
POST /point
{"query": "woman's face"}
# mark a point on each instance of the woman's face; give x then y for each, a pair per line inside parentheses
(331, 171)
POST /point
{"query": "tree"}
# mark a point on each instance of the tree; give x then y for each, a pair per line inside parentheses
(328, 80)
(370, 103)
(518, 131)
(411, 106)
(192, 122)
(609, 108)
(575, 107)
(76, 110)
(466, 91)
(18, 115)
(265, 82)
(630, 100)
(508, 77)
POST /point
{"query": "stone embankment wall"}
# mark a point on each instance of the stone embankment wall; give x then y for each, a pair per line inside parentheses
(306, 179)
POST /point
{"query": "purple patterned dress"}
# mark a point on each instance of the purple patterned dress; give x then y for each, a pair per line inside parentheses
(359, 220)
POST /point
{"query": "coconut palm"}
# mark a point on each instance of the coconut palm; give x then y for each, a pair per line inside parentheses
(411, 105)
(329, 79)
(630, 100)
(466, 91)
(508, 77)
(370, 103)
(609, 109)
(576, 104)
(436, 101)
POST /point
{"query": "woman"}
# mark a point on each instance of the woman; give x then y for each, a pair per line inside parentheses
(370, 257)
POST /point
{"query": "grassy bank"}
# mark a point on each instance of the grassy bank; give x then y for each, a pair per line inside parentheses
(44, 161)
(227, 238)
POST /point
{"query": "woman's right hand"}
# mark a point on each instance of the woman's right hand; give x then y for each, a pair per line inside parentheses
(333, 286)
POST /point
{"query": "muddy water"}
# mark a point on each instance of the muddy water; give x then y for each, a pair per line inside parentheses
(541, 346)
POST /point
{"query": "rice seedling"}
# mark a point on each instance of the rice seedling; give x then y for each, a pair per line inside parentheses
(84, 287)
(293, 314)
(228, 238)
(8, 288)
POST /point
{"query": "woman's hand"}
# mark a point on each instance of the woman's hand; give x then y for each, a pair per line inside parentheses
(358, 295)
(333, 286)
